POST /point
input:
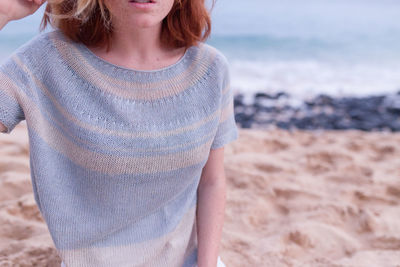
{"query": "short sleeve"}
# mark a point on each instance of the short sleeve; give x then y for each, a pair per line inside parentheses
(227, 131)
(11, 112)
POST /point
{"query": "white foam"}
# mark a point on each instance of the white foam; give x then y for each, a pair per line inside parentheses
(304, 79)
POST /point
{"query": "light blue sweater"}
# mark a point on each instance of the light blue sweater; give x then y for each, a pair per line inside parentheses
(116, 154)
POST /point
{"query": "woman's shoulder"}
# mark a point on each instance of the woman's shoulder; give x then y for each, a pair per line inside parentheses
(211, 58)
(39, 43)
(39, 48)
(219, 58)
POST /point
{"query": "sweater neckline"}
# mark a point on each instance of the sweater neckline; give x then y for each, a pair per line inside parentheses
(144, 86)
(93, 58)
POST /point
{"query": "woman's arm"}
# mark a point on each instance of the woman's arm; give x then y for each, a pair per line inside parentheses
(17, 9)
(14, 10)
(211, 208)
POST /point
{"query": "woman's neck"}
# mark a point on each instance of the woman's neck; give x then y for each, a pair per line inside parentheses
(138, 43)
(138, 48)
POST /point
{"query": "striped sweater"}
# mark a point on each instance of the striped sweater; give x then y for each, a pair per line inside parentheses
(116, 154)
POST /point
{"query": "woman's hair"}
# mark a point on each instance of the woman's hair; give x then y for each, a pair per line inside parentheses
(90, 22)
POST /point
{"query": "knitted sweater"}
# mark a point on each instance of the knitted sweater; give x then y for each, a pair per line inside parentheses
(116, 154)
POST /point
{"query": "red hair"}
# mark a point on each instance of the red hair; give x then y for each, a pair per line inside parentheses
(88, 21)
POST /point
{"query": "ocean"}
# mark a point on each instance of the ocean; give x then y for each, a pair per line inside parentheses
(301, 47)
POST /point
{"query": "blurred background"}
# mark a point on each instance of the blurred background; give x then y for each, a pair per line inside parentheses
(298, 193)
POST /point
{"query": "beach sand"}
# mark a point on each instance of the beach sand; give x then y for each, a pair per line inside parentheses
(297, 198)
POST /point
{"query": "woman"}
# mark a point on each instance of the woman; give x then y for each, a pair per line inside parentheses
(128, 112)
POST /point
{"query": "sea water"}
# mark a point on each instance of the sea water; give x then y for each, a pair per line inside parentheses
(301, 47)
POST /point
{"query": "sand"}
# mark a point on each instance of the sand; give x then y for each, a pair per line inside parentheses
(298, 198)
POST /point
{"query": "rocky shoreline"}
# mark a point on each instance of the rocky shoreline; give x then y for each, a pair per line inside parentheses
(372, 113)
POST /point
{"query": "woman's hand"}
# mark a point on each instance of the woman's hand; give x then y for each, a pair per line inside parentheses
(17, 9)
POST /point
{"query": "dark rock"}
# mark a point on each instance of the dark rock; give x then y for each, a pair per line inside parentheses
(267, 96)
(262, 95)
(238, 100)
(322, 100)
(395, 126)
(392, 104)
(357, 114)
(246, 124)
(321, 112)
(283, 125)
